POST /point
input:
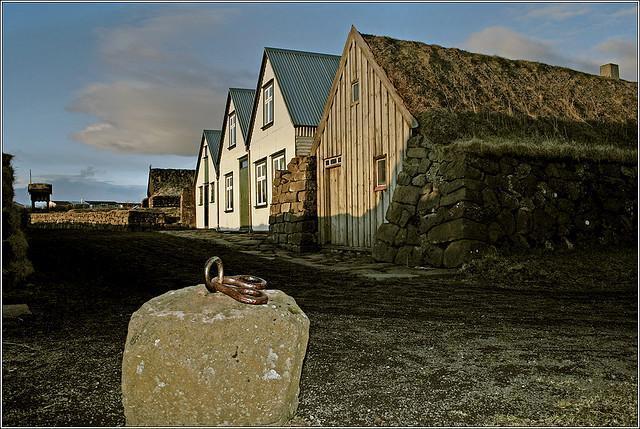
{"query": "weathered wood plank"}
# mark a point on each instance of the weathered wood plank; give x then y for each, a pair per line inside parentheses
(366, 192)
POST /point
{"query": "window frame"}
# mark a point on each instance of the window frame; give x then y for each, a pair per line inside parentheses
(228, 193)
(332, 162)
(261, 163)
(376, 161)
(355, 83)
(265, 87)
(212, 197)
(233, 132)
(201, 195)
(282, 154)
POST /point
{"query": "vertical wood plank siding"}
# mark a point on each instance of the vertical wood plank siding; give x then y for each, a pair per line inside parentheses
(350, 210)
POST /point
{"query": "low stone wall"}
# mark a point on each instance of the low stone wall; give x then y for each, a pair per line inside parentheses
(188, 207)
(99, 219)
(450, 206)
(293, 221)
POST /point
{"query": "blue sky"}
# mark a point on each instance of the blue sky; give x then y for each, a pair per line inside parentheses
(92, 94)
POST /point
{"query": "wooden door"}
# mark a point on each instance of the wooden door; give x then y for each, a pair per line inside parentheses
(332, 220)
(244, 193)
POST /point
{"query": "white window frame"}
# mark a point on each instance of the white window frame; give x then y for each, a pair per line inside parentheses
(212, 198)
(380, 186)
(334, 161)
(355, 92)
(267, 104)
(232, 130)
(228, 192)
(201, 194)
(262, 193)
(278, 162)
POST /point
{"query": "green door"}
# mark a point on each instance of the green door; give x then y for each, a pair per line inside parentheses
(244, 193)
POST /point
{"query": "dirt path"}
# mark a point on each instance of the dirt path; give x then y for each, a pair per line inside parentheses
(415, 351)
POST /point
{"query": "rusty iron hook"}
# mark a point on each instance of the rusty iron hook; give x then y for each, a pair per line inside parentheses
(243, 288)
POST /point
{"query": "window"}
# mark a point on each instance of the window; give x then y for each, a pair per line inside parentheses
(333, 161)
(228, 194)
(355, 92)
(232, 130)
(380, 164)
(278, 162)
(267, 108)
(201, 194)
(261, 183)
(213, 193)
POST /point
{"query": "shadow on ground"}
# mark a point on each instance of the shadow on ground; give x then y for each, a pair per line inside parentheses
(454, 351)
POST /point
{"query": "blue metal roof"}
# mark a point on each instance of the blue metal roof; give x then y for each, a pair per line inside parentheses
(213, 139)
(305, 79)
(243, 103)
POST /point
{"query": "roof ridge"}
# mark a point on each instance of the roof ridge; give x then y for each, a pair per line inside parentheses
(296, 51)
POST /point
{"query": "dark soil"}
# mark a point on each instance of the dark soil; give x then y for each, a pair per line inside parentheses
(472, 350)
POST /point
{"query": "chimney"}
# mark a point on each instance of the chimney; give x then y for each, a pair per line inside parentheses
(610, 70)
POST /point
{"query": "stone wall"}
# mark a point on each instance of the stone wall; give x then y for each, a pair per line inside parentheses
(99, 219)
(293, 221)
(188, 207)
(450, 206)
(160, 201)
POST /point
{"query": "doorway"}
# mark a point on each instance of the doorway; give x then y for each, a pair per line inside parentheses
(244, 193)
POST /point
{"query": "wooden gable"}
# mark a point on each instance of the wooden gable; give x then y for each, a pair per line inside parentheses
(356, 133)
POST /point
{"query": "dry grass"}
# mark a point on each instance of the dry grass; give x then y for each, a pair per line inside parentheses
(548, 149)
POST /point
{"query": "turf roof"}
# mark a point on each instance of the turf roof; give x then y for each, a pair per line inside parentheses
(430, 77)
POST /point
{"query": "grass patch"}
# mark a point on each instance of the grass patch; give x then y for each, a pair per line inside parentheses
(575, 270)
(444, 127)
(547, 149)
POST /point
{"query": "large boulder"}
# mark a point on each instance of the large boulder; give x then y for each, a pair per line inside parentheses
(197, 358)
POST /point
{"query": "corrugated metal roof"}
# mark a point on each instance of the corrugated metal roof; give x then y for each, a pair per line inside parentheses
(305, 79)
(243, 103)
(213, 138)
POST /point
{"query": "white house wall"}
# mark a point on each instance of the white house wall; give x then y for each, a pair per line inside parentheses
(265, 143)
(229, 163)
(212, 207)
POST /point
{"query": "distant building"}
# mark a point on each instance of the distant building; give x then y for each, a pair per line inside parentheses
(40, 192)
(97, 204)
(165, 186)
(207, 173)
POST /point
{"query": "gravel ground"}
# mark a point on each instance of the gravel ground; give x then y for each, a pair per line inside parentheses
(548, 339)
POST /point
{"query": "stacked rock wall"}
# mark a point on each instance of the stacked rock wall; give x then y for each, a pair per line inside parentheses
(293, 221)
(188, 207)
(450, 206)
(99, 219)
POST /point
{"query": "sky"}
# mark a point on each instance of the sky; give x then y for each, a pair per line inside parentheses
(95, 93)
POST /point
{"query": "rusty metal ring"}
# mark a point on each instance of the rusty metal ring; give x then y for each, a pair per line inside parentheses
(243, 288)
(207, 273)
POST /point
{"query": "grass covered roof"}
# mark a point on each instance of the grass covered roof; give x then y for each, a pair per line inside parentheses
(430, 77)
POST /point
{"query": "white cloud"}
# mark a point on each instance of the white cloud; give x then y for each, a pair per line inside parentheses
(160, 92)
(148, 118)
(558, 12)
(626, 11)
(507, 43)
(622, 52)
